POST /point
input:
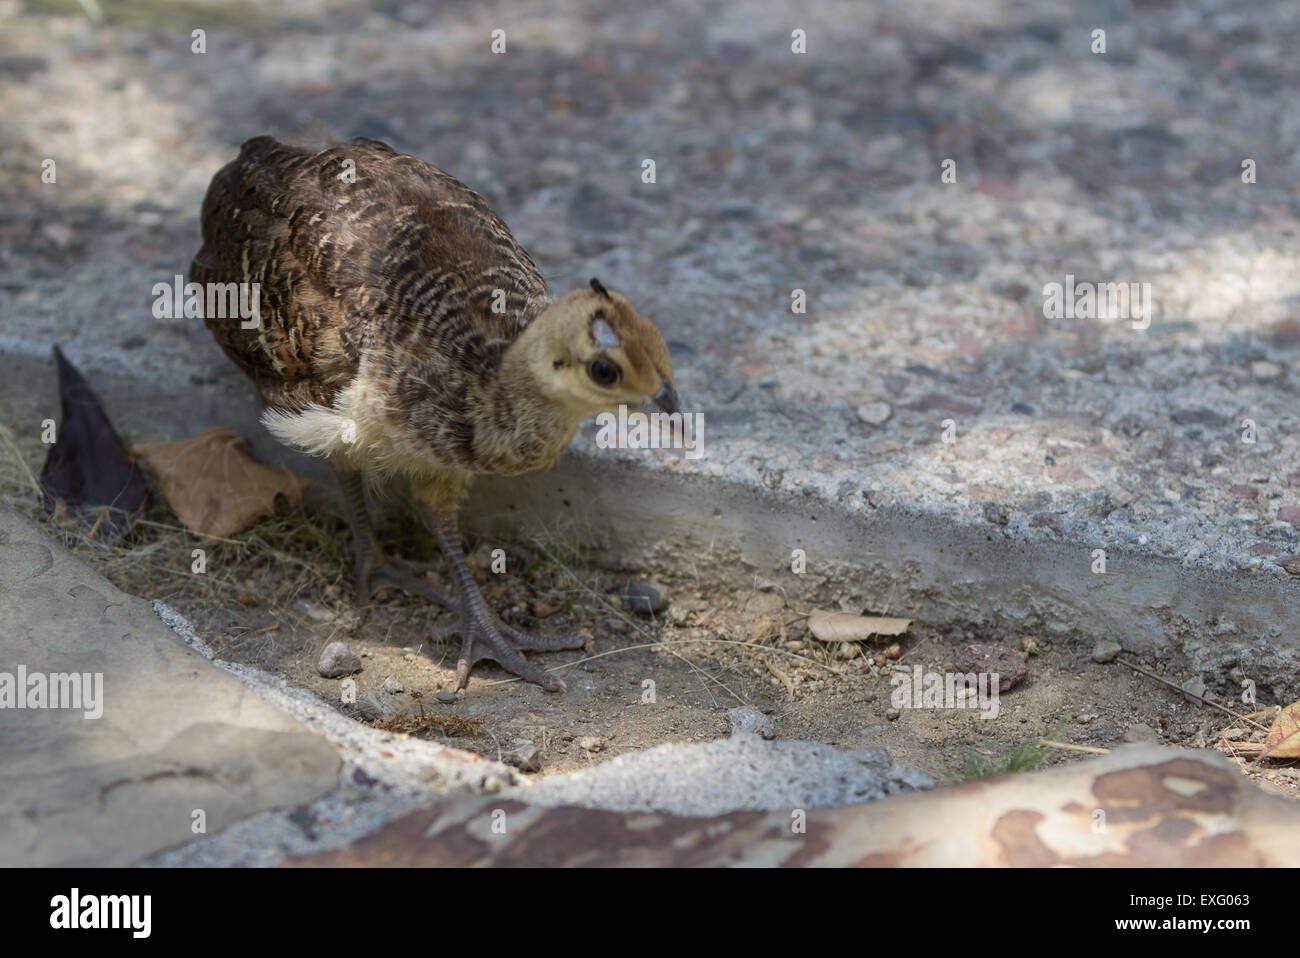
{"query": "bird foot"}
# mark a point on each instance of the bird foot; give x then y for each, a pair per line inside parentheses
(481, 639)
(396, 573)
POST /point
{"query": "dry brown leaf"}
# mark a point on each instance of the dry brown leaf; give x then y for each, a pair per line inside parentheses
(213, 486)
(842, 627)
(1284, 737)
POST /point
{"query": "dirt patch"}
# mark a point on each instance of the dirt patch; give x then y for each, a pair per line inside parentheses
(277, 594)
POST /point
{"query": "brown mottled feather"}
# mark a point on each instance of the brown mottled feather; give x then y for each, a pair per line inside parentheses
(403, 253)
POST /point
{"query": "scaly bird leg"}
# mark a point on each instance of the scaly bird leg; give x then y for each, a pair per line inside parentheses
(483, 636)
(372, 570)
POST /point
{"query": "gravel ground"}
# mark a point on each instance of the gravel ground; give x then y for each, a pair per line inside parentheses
(775, 171)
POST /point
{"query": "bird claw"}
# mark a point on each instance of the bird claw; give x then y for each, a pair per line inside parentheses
(483, 640)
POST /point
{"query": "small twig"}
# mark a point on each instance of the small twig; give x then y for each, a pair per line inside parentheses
(785, 679)
(189, 532)
(99, 519)
(1247, 748)
(1201, 698)
(1074, 748)
(264, 630)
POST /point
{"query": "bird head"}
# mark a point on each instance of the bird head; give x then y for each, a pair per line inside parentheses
(594, 352)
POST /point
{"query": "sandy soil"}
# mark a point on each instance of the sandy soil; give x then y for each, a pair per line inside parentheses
(698, 671)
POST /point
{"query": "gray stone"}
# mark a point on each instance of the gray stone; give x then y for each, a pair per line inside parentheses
(641, 596)
(748, 720)
(1265, 371)
(1141, 733)
(1194, 687)
(177, 735)
(875, 413)
(337, 660)
(1106, 650)
(526, 757)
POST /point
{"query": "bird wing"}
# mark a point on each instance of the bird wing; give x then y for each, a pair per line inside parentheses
(357, 249)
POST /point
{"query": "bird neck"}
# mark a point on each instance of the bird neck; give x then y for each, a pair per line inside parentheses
(523, 424)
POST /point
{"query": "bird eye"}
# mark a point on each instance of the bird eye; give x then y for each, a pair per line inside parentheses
(603, 373)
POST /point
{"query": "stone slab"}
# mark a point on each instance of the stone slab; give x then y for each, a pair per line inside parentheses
(175, 734)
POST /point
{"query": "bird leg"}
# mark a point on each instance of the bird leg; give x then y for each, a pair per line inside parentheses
(372, 570)
(483, 635)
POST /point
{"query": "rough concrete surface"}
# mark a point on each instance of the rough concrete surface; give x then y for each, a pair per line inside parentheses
(174, 736)
(741, 772)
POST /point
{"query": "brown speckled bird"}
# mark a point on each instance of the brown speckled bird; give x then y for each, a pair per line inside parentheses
(404, 333)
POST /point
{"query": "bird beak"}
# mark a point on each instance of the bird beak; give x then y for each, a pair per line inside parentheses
(666, 399)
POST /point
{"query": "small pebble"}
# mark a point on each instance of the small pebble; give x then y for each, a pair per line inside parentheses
(1265, 371)
(591, 743)
(337, 661)
(446, 698)
(748, 720)
(1009, 664)
(875, 413)
(316, 613)
(526, 757)
(1141, 733)
(1106, 650)
(392, 685)
(640, 596)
